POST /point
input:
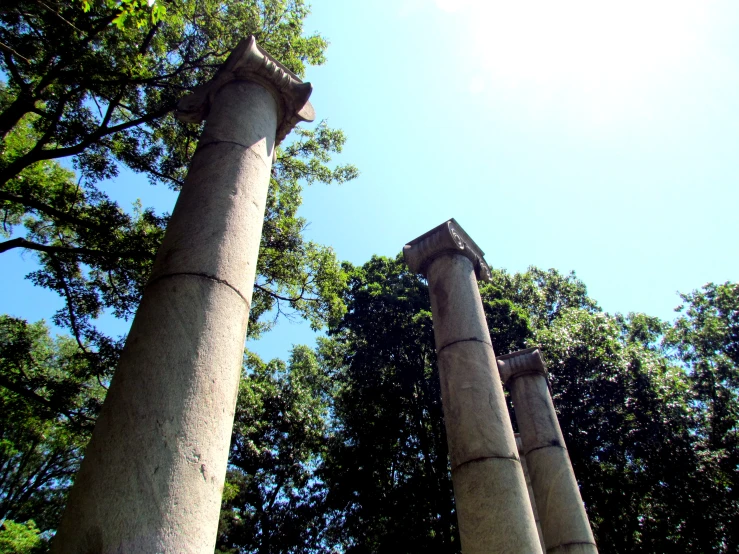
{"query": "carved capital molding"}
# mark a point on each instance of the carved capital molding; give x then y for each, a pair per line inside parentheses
(523, 362)
(250, 62)
(447, 238)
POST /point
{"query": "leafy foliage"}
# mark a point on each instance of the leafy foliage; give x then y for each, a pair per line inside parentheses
(83, 84)
(90, 86)
(20, 538)
(705, 337)
(273, 500)
(343, 448)
(628, 427)
(49, 400)
(650, 479)
(387, 458)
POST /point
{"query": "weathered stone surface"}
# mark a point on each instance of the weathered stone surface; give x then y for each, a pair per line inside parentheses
(530, 489)
(492, 516)
(561, 511)
(454, 291)
(447, 238)
(573, 548)
(493, 509)
(249, 62)
(226, 192)
(153, 473)
(564, 523)
(475, 411)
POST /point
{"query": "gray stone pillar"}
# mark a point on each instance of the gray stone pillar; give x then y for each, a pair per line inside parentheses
(564, 523)
(493, 509)
(153, 473)
(529, 488)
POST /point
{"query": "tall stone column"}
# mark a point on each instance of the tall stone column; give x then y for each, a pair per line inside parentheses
(564, 523)
(529, 488)
(493, 508)
(153, 473)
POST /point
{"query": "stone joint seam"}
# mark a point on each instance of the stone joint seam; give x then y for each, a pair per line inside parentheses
(512, 376)
(543, 447)
(484, 458)
(555, 548)
(204, 276)
(217, 142)
(471, 339)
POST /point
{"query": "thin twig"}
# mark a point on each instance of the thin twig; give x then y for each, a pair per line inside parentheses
(56, 13)
(5, 48)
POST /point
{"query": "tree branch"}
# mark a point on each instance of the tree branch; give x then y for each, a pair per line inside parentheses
(23, 243)
(39, 154)
(53, 408)
(68, 301)
(8, 50)
(59, 16)
(285, 298)
(50, 211)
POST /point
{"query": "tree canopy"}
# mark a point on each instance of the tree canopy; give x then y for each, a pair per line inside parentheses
(636, 416)
(344, 449)
(87, 88)
(81, 88)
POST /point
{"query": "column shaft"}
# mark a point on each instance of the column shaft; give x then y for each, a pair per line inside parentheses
(493, 508)
(530, 489)
(153, 473)
(564, 523)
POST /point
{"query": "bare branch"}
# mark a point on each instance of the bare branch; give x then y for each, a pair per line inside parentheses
(8, 50)
(286, 298)
(59, 16)
(23, 243)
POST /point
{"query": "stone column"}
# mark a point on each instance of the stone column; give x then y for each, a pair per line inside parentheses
(493, 509)
(153, 473)
(529, 488)
(564, 523)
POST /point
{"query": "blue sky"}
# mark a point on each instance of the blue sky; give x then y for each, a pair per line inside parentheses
(600, 137)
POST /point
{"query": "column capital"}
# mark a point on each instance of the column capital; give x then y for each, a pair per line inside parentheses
(447, 238)
(250, 62)
(523, 362)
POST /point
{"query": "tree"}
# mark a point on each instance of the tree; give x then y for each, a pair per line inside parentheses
(705, 337)
(89, 87)
(629, 428)
(633, 431)
(273, 500)
(388, 456)
(17, 538)
(82, 86)
(48, 398)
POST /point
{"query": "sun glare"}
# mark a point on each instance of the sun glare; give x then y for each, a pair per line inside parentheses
(594, 50)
